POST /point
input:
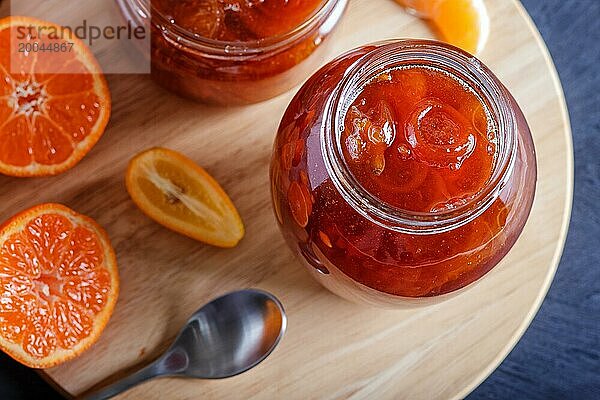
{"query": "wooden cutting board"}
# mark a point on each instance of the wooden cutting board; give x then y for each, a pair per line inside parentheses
(333, 349)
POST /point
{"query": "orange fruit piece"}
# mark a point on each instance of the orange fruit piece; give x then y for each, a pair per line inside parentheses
(180, 195)
(463, 23)
(299, 204)
(58, 284)
(54, 105)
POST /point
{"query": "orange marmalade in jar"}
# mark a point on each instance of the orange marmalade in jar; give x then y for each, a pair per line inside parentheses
(402, 171)
(233, 52)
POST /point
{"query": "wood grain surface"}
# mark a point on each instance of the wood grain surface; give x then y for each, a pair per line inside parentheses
(333, 349)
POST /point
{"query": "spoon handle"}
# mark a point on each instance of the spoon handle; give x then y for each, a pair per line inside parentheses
(124, 384)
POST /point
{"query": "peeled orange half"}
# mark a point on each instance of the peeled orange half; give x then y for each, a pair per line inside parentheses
(177, 193)
(463, 23)
(58, 284)
(54, 104)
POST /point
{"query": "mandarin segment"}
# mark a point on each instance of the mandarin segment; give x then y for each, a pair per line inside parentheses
(71, 323)
(72, 83)
(48, 237)
(89, 291)
(20, 255)
(50, 145)
(18, 64)
(12, 283)
(84, 256)
(59, 284)
(15, 148)
(13, 316)
(463, 23)
(63, 65)
(79, 126)
(39, 339)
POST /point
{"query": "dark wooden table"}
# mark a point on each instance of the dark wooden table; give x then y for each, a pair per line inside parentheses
(559, 356)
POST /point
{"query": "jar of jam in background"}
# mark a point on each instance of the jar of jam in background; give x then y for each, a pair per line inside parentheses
(358, 239)
(235, 52)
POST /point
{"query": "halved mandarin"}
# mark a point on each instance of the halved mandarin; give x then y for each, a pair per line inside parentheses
(54, 105)
(463, 23)
(58, 284)
(180, 195)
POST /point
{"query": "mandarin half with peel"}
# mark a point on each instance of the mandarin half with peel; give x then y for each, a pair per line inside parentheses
(54, 105)
(58, 284)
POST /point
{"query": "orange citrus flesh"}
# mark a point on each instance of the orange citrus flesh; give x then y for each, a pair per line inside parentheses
(58, 282)
(462, 23)
(48, 120)
(180, 195)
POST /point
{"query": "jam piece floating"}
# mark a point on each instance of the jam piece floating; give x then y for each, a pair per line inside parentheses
(372, 133)
(237, 20)
(439, 135)
(299, 204)
(201, 17)
(418, 139)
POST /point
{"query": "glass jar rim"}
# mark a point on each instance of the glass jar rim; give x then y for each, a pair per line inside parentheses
(235, 48)
(415, 53)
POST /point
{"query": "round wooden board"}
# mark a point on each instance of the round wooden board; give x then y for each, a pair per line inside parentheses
(333, 349)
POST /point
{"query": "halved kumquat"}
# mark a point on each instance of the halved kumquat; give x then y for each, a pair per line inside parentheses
(180, 195)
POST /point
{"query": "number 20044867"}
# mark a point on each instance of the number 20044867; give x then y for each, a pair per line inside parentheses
(36, 47)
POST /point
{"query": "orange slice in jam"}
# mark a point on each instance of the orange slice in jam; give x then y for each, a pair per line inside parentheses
(48, 121)
(180, 195)
(370, 135)
(58, 284)
(439, 135)
(300, 203)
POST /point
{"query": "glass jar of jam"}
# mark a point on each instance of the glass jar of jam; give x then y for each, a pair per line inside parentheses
(402, 172)
(234, 52)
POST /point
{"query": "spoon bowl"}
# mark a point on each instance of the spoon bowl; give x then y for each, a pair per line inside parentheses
(226, 337)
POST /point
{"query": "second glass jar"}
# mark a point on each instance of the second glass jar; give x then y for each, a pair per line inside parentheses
(233, 72)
